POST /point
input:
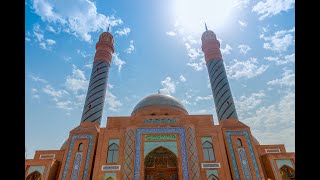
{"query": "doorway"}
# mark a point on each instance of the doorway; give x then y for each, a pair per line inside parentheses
(161, 164)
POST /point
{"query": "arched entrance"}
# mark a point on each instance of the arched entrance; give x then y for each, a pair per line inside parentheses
(36, 175)
(161, 164)
(287, 172)
(213, 177)
(110, 178)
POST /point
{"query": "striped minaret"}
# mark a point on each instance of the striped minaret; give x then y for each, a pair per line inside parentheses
(221, 91)
(93, 106)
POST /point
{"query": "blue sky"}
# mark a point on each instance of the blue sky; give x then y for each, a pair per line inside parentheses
(158, 47)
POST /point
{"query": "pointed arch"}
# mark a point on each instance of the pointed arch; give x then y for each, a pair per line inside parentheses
(36, 175)
(213, 177)
(239, 142)
(287, 172)
(208, 151)
(80, 147)
(161, 160)
(113, 153)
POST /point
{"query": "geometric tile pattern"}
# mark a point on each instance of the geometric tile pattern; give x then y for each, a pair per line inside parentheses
(127, 171)
(76, 166)
(234, 164)
(193, 154)
(244, 164)
(86, 167)
(221, 92)
(138, 150)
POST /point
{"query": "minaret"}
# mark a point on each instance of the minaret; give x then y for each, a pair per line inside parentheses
(221, 91)
(93, 106)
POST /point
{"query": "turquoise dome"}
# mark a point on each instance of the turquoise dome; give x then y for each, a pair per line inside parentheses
(160, 101)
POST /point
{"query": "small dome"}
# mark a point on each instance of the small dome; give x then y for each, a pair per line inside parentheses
(208, 35)
(64, 145)
(256, 142)
(159, 104)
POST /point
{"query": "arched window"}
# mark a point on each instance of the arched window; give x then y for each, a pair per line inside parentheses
(113, 153)
(36, 175)
(213, 177)
(239, 143)
(208, 154)
(80, 147)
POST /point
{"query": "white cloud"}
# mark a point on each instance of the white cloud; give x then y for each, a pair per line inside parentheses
(274, 124)
(280, 41)
(50, 41)
(193, 53)
(48, 89)
(242, 23)
(124, 31)
(288, 79)
(171, 33)
(130, 48)
(169, 86)
(35, 96)
(269, 8)
(226, 50)
(77, 17)
(244, 48)
(117, 61)
(84, 54)
(200, 98)
(282, 60)
(65, 105)
(245, 69)
(51, 29)
(27, 39)
(67, 58)
(241, 3)
(182, 78)
(34, 93)
(197, 66)
(77, 82)
(245, 105)
(37, 79)
(112, 102)
(43, 43)
(185, 102)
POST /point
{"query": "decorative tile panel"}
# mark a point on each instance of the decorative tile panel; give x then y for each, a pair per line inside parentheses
(110, 167)
(252, 155)
(127, 171)
(47, 156)
(244, 164)
(161, 137)
(76, 166)
(86, 167)
(141, 131)
(210, 165)
(273, 150)
(193, 154)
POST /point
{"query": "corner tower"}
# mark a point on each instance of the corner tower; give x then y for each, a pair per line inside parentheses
(93, 107)
(221, 91)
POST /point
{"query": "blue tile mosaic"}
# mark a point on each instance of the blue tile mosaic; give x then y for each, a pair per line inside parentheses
(86, 167)
(235, 167)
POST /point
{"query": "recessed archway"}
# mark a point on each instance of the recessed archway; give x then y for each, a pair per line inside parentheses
(287, 172)
(36, 175)
(161, 164)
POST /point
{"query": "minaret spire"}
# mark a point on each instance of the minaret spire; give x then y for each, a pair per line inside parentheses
(93, 107)
(108, 28)
(221, 91)
(206, 26)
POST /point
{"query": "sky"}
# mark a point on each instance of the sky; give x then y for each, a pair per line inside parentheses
(158, 48)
